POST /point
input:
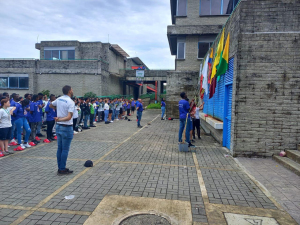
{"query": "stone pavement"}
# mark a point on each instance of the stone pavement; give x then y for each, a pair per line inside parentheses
(283, 184)
(131, 163)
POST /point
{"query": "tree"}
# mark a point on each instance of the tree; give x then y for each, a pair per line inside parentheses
(46, 92)
(90, 95)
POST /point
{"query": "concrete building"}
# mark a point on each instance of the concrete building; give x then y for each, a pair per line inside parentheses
(86, 66)
(256, 104)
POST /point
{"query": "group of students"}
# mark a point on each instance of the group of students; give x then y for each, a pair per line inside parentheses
(92, 110)
(189, 119)
(23, 118)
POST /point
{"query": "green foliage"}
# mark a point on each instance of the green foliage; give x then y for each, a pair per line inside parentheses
(46, 92)
(90, 95)
(154, 106)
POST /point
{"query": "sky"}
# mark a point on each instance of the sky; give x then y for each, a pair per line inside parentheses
(137, 26)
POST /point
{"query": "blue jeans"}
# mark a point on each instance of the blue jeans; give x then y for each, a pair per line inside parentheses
(106, 115)
(20, 123)
(117, 114)
(39, 126)
(86, 118)
(163, 109)
(64, 137)
(139, 115)
(113, 114)
(187, 130)
(13, 130)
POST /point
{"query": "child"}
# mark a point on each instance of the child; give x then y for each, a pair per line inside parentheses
(34, 117)
(51, 113)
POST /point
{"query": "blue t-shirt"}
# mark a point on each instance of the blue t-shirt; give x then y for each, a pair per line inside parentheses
(35, 115)
(12, 104)
(51, 113)
(140, 106)
(184, 107)
(20, 112)
(128, 106)
(163, 104)
(40, 102)
(132, 103)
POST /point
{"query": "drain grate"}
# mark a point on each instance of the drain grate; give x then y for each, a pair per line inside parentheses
(144, 219)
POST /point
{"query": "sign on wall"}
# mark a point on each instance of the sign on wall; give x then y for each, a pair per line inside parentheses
(140, 73)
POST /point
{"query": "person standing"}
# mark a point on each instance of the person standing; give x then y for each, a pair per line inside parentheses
(81, 108)
(163, 108)
(184, 117)
(196, 121)
(139, 112)
(86, 111)
(132, 106)
(40, 123)
(13, 130)
(5, 126)
(34, 117)
(51, 114)
(100, 109)
(106, 112)
(75, 116)
(92, 112)
(64, 107)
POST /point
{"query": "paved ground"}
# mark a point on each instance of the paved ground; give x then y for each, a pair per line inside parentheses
(129, 162)
(283, 184)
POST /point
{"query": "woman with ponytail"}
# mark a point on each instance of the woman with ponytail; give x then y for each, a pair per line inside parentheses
(5, 126)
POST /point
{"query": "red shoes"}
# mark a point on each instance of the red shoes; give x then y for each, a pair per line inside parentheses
(46, 141)
(55, 137)
(13, 144)
(19, 148)
(1, 154)
(37, 138)
(32, 144)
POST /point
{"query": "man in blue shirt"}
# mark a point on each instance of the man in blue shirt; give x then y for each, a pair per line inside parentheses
(184, 116)
(139, 108)
(40, 123)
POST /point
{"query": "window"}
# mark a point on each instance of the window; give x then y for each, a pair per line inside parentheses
(181, 48)
(216, 7)
(203, 48)
(59, 54)
(181, 8)
(14, 82)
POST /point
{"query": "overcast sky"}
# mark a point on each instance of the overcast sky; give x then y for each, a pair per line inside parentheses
(138, 26)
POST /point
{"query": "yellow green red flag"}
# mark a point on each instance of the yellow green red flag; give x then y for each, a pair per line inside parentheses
(217, 58)
(223, 65)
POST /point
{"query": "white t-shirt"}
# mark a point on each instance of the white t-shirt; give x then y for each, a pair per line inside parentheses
(197, 113)
(64, 105)
(5, 117)
(106, 107)
(75, 113)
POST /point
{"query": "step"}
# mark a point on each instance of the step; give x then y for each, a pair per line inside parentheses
(293, 155)
(288, 163)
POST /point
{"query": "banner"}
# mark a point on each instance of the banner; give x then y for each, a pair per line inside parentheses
(140, 74)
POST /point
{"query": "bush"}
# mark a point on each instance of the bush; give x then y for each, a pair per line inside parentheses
(154, 106)
(90, 95)
(46, 92)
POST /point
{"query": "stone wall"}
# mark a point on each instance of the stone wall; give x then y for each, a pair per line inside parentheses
(178, 82)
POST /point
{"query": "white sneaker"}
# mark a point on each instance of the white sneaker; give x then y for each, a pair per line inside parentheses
(75, 132)
(27, 145)
(117, 119)
(13, 141)
(111, 121)
(23, 146)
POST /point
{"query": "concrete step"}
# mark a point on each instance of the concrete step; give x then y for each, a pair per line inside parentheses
(293, 155)
(288, 163)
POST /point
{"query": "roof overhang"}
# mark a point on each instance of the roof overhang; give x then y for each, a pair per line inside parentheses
(138, 61)
(117, 49)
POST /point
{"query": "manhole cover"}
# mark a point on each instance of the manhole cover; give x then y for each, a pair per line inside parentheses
(143, 219)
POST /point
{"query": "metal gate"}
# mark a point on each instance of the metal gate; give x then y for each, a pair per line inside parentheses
(228, 105)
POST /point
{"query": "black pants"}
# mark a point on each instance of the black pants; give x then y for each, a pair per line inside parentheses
(92, 119)
(81, 117)
(50, 125)
(128, 112)
(196, 124)
(74, 123)
(33, 127)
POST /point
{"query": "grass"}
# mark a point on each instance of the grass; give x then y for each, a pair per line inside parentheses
(154, 106)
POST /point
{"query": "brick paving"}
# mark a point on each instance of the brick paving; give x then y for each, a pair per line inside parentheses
(146, 164)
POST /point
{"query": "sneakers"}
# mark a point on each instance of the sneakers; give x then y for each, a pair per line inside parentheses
(19, 148)
(13, 144)
(37, 138)
(32, 144)
(140, 126)
(117, 119)
(64, 172)
(93, 126)
(75, 132)
(40, 135)
(86, 128)
(111, 121)
(191, 145)
(13, 141)
(46, 141)
(1, 154)
(55, 137)
(26, 145)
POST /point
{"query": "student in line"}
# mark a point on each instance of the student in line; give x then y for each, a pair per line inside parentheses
(110, 111)
(5, 126)
(51, 114)
(128, 108)
(21, 121)
(75, 116)
(34, 117)
(86, 111)
(196, 121)
(139, 112)
(163, 108)
(132, 106)
(100, 109)
(106, 112)
(13, 119)
(92, 115)
(41, 105)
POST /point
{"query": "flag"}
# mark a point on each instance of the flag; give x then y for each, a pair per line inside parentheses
(213, 81)
(210, 64)
(205, 73)
(217, 58)
(223, 65)
(201, 89)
